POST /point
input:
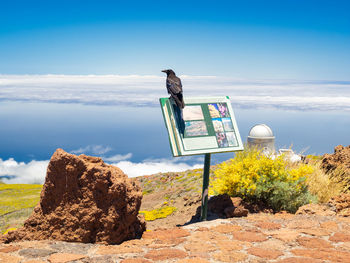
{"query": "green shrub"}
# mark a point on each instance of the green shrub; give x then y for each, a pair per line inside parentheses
(257, 178)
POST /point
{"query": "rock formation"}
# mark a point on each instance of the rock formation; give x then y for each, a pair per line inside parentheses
(223, 206)
(84, 200)
(338, 205)
(340, 159)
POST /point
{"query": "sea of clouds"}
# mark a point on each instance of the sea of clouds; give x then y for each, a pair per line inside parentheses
(138, 91)
(34, 172)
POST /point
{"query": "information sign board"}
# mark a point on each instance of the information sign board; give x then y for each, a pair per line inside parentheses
(210, 126)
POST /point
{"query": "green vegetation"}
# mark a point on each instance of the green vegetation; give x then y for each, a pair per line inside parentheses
(162, 212)
(14, 197)
(257, 178)
(16, 203)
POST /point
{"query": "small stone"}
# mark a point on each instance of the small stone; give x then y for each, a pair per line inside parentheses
(314, 242)
(207, 236)
(285, 235)
(202, 229)
(165, 243)
(9, 258)
(268, 225)
(226, 228)
(315, 232)
(118, 249)
(249, 236)
(64, 257)
(34, 261)
(166, 253)
(265, 253)
(35, 253)
(340, 237)
(229, 245)
(193, 260)
(299, 260)
(135, 260)
(330, 225)
(345, 246)
(99, 259)
(9, 249)
(274, 244)
(197, 246)
(74, 248)
(324, 254)
(166, 234)
(298, 223)
(229, 257)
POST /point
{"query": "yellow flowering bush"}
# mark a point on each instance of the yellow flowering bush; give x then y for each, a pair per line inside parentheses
(158, 213)
(258, 178)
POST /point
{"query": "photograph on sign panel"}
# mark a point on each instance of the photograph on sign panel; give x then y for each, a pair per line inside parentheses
(214, 110)
(195, 128)
(231, 139)
(222, 140)
(191, 113)
(227, 124)
(222, 107)
(217, 123)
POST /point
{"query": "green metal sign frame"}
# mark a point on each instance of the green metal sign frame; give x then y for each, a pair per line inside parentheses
(210, 127)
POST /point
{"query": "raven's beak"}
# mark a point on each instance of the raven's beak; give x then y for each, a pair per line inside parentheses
(164, 70)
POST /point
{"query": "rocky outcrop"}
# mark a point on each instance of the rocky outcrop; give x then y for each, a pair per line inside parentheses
(339, 160)
(223, 206)
(316, 209)
(84, 200)
(339, 205)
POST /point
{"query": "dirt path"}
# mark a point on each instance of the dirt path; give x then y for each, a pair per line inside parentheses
(282, 238)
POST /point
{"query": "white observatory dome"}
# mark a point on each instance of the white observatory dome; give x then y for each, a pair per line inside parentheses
(261, 131)
(261, 136)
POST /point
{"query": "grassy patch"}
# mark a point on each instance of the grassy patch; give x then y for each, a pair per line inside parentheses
(14, 197)
(14, 219)
(17, 202)
(323, 185)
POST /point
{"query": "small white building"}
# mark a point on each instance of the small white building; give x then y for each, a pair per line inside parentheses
(261, 136)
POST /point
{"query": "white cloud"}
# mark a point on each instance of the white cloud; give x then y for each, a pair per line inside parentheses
(34, 172)
(118, 157)
(136, 90)
(23, 173)
(93, 150)
(148, 168)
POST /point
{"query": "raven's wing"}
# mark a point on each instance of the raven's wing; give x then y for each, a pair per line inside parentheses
(174, 85)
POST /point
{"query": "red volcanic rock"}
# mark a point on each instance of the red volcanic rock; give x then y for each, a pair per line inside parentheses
(340, 159)
(225, 206)
(84, 200)
(341, 204)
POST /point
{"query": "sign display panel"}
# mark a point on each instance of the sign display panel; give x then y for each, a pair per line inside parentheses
(210, 126)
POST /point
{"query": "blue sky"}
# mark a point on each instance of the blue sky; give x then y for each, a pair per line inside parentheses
(85, 76)
(244, 39)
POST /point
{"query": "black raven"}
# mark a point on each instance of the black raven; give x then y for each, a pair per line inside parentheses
(174, 88)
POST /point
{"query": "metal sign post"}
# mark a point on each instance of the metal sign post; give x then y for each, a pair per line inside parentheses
(206, 172)
(210, 127)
